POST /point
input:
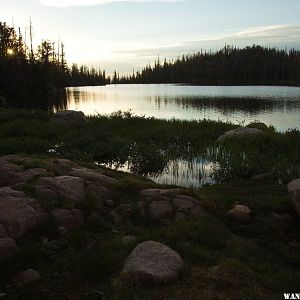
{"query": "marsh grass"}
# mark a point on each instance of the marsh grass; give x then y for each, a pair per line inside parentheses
(148, 144)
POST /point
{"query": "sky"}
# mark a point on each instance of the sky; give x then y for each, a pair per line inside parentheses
(126, 35)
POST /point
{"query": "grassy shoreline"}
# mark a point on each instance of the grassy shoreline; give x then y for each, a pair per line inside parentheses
(148, 143)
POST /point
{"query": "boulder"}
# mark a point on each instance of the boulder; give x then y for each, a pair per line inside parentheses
(184, 204)
(67, 188)
(69, 118)
(8, 248)
(18, 216)
(7, 172)
(91, 174)
(27, 175)
(294, 193)
(239, 133)
(26, 278)
(160, 210)
(258, 125)
(67, 218)
(7, 191)
(153, 262)
(156, 192)
(240, 213)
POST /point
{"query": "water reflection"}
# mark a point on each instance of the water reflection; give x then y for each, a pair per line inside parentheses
(277, 106)
(191, 173)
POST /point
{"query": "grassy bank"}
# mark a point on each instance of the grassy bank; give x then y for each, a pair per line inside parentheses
(148, 144)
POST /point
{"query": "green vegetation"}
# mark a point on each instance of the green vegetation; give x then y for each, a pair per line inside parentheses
(114, 140)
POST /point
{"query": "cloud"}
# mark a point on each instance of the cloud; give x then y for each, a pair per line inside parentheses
(70, 3)
(279, 36)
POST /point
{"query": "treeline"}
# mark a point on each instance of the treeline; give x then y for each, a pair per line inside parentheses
(25, 72)
(254, 65)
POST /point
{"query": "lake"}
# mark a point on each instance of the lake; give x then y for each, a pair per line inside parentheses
(273, 105)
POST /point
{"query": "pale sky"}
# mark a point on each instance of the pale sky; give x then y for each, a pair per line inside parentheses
(125, 35)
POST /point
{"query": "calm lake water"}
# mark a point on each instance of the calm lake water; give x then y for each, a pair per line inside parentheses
(273, 105)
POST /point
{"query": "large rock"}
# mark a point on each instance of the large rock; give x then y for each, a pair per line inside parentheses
(160, 210)
(69, 118)
(67, 218)
(8, 248)
(187, 204)
(239, 133)
(240, 213)
(150, 193)
(294, 193)
(153, 262)
(91, 174)
(67, 188)
(27, 175)
(7, 172)
(258, 125)
(7, 191)
(27, 277)
(18, 215)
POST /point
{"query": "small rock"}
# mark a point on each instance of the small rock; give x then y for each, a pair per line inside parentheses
(153, 262)
(62, 231)
(240, 213)
(109, 203)
(214, 272)
(115, 217)
(8, 248)
(294, 193)
(262, 177)
(3, 232)
(160, 210)
(25, 278)
(128, 240)
(69, 118)
(180, 216)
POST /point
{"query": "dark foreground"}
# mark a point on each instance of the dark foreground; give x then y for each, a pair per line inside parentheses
(81, 255)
